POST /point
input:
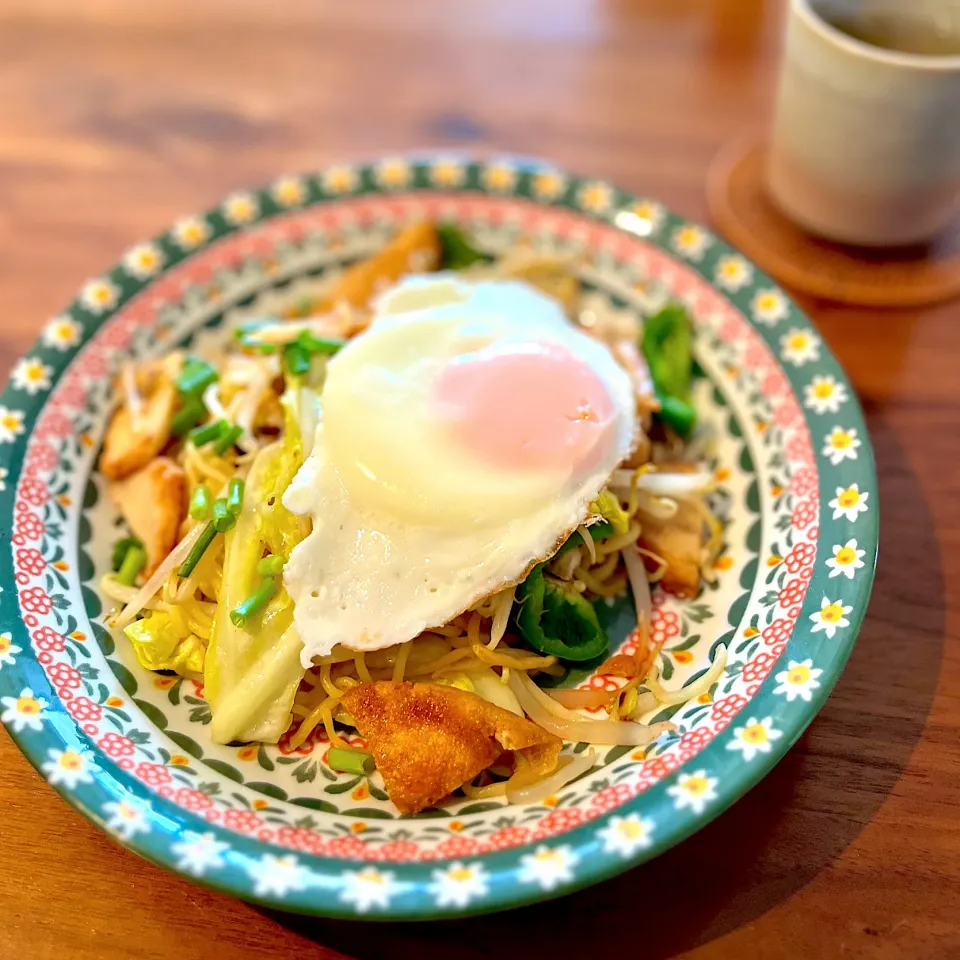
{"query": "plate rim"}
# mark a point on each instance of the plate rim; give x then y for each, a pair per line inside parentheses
(501, 868)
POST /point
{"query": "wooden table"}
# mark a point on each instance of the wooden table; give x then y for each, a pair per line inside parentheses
(115, 117)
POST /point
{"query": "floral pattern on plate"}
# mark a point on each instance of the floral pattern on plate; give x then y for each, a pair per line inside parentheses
(275, 824)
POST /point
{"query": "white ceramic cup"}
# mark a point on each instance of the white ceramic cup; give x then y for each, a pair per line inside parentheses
(866, 140)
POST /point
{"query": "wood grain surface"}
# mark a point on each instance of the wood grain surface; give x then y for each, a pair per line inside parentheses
(116, 117)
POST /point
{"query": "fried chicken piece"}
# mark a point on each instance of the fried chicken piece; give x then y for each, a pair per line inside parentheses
(429, 739)
(135, 437)
(415, 249)
(153, 501)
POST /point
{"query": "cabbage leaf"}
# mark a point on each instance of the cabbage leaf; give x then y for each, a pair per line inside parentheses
(608, 506)
(252, 676)
(162, 641)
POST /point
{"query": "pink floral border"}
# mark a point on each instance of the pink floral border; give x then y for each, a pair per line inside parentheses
(69, 399)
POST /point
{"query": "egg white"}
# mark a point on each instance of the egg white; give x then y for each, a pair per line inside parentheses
(408, 532)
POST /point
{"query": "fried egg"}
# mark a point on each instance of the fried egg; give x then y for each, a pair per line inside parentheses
(461, 439)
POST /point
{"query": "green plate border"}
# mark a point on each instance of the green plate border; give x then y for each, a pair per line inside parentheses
(264, 874)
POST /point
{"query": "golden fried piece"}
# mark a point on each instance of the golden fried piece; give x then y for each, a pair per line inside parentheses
(140, 428)
(679, 541)
(153, 501)
(429, 739)
(415, 249)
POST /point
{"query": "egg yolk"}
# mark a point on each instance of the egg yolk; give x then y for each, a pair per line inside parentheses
(533, 406)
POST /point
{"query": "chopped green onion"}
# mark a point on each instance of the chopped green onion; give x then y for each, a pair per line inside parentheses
(271, 566)
(134, 561)
(350, 761)
(208, 432)
(200, 503)
(120, 549)
(247, 334)
(227, 440)
(197, 550)
(235, 495)
(191, 412)
(223, 519)
(196, 376)
(296, 358)
(265, 592)
(255, 326)
(252, 343)
(325, 346)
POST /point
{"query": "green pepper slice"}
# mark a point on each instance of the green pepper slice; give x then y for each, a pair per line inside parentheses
(557, 620)
(597, 530)
(678, 414)
(667, 346)
(456, 252)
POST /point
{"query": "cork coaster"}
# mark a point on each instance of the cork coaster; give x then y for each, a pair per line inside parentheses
(741, 211)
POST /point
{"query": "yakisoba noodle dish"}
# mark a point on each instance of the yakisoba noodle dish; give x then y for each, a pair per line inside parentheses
(390, 512)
